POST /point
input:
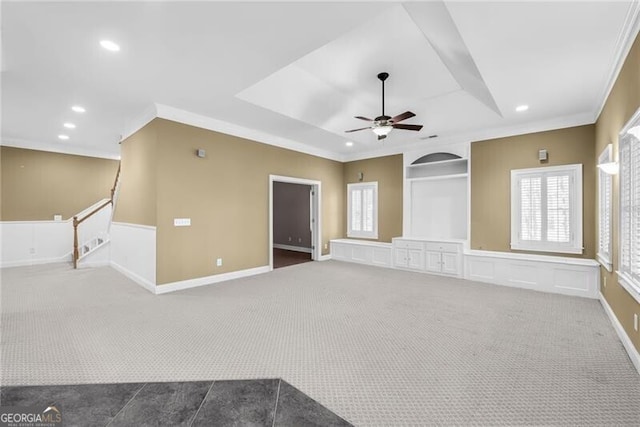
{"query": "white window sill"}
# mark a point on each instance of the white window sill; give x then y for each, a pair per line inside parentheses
(626, 282)
(604, 260)
(557, 250)
(361, 236)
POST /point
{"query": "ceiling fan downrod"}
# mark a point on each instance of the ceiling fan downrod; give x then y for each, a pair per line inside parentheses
(383, 77)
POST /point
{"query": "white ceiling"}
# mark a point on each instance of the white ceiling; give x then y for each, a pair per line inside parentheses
(295, 74)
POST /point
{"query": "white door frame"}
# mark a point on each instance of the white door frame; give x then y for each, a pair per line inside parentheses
(316, 212)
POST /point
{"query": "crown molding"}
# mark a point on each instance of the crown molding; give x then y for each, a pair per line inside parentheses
(134, 125)
(61, 148)
(204, 122)
(626, 38)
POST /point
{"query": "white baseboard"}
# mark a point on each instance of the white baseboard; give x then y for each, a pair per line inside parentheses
(29, 262)
(626, 341)
(324, 257)
(136, 278)
(208, 280)
(292, 248)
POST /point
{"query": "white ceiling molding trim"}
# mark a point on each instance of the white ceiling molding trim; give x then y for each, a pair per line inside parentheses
(60, 148)
(437, 25)
(204, 122)
(498, 132)
(627, 36)
(134, 125)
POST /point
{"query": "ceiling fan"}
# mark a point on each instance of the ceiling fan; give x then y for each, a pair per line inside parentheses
(383, 124)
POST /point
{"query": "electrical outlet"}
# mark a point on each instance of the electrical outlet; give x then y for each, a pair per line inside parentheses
(299, 239)
(635, 322)
(32, 251)
(326, 246)
(289, 238)
(219, 262)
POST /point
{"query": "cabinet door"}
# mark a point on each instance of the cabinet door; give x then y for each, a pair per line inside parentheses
(451, 264)
(433, 261)
(400, 257)
(416, 259)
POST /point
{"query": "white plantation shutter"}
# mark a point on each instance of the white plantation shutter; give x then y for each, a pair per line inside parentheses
(546, 209)
(605, 202)
(367, 209)
(625, 208)
(558, 209)
(634, 155)
(629, 237)
(531, 213)
(362, 210)
(356, 210)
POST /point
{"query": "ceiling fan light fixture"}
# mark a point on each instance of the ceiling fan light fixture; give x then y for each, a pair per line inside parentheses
(382, 130)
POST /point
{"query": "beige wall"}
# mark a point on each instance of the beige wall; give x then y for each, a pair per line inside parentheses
(623, 101)
(137, 193)
(36, 185)
(226, 195)
(387, 171)
(491, 165)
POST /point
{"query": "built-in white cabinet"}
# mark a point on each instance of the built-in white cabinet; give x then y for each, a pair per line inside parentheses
(440, 257)
(444, 258)
(408, 254)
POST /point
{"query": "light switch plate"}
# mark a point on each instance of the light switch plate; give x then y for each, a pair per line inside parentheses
(182, 222)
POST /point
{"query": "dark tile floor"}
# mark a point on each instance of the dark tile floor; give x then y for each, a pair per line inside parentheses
(269, 402)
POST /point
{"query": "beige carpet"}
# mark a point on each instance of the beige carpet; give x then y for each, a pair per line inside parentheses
(376, 346)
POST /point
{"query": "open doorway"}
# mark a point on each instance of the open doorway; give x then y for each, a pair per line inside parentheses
(294, 223)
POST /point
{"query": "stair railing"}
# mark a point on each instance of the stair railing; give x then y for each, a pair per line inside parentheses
(77, 222)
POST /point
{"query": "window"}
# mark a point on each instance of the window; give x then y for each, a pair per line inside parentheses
(362, 211)
(546, 209)
(605, 203)
(629, 257)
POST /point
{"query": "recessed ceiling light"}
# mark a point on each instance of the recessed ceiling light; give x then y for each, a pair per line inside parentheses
(69, 125)
(349, 144)
(521, 108)
(63, 137)
(78, 109)
(109, 45)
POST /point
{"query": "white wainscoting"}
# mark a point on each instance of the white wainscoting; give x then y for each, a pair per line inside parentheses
(362, 251)
(561, 275)
(35, 242)
(133, 252)
(44, 242)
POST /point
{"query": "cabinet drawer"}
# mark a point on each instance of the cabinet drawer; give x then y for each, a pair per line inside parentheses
(408, 244)
(443, 247)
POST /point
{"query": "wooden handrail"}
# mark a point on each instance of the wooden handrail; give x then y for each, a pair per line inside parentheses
(90, 214)
(115, 182)
(77, 222)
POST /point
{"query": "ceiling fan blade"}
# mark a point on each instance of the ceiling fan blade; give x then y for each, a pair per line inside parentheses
(363, 118)
(355, 130)
(407, 127)
(381, 137)
(400, 117)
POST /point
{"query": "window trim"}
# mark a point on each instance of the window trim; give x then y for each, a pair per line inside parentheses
(576, 209)
(624, 279)
(363, 234)
(605, 258)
